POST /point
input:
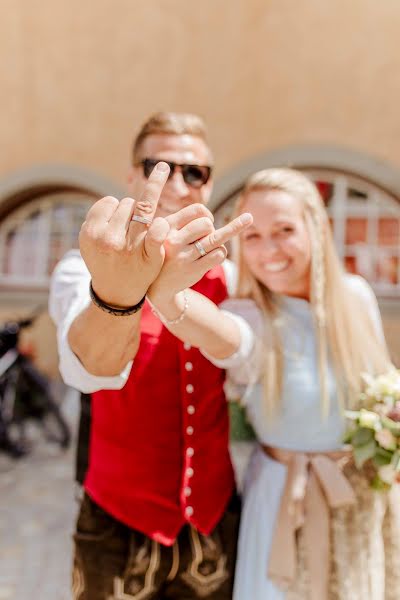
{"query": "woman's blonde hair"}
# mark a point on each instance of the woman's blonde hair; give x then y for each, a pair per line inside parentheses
(343, 324)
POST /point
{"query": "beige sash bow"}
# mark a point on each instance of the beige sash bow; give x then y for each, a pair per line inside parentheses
(314, 484)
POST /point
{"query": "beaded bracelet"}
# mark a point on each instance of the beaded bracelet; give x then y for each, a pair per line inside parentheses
(166, 321)
(114, 310)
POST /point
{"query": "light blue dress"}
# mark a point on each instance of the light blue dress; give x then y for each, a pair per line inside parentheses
(299, 426)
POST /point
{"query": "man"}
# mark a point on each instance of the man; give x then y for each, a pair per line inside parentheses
(160, 515)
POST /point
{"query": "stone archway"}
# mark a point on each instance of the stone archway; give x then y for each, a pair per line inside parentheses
(23, 185)
(35, 204)
(26, 191)
(309, 157)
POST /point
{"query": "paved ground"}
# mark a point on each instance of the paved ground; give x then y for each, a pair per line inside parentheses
(37, 511)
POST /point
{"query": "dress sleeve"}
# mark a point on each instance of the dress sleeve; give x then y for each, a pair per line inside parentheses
(69, 296)
(365, 292)
(244, 366)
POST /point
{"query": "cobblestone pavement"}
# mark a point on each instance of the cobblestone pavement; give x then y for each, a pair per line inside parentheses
(37, 512)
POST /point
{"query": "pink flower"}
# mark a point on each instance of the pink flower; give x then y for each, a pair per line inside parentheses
(394, 414)
(386, 439)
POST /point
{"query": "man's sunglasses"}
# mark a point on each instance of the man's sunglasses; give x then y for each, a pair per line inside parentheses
(193, 175)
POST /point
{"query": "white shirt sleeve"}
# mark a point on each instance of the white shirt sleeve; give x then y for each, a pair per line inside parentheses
(69, 296)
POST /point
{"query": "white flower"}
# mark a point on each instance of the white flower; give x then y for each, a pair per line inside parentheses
(384, 387)
(387, 473)
(369, 419)
(386, 439)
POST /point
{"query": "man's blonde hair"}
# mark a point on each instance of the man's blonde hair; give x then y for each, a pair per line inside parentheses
(344, 328)
(171, 123)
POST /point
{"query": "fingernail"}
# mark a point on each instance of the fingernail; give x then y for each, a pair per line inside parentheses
(162, 166)
(246, 218)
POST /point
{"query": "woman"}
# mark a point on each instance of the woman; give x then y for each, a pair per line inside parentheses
(299, 336)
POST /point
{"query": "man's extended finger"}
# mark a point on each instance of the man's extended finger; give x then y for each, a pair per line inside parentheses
(121, 218)
(224, 234)
(188, 214)
(101, 211)
(146, 205)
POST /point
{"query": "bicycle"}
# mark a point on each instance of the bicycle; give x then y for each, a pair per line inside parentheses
(25, 396)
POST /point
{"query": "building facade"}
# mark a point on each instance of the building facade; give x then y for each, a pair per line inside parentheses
(308, 84)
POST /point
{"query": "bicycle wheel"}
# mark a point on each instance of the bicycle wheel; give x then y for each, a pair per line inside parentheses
(54, 425)
(12, 433)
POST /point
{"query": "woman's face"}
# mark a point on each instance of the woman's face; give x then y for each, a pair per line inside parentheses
(277, 246)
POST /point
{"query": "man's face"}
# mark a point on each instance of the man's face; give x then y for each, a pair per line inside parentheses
(180, 149)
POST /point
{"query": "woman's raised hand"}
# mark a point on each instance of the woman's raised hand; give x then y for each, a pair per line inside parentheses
(193, 246)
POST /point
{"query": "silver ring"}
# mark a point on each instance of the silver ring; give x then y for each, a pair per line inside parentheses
(199, 248)
(140, 219)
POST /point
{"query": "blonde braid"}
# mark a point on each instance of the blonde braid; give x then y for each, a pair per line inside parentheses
(316, 225)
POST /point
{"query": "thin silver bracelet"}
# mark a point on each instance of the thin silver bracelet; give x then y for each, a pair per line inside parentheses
(166, 321)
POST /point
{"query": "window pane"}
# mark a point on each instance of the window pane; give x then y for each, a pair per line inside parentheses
(388, 232)
(37, 235)
(350, 263)
(387, 269)
(356, 231)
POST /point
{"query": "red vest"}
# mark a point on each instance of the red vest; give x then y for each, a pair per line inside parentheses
(159, 447)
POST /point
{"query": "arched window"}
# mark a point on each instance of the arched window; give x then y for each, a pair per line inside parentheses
(365, 221)
(36, 235)
(41, 211)
(366, 228)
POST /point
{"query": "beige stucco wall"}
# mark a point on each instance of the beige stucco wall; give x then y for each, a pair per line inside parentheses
(78, 77)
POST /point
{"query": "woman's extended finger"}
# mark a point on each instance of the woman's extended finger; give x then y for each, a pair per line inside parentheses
(188, 214)
(218, 237)
(194, 230)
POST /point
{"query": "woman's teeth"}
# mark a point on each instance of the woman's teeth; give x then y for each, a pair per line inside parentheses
(275, 267)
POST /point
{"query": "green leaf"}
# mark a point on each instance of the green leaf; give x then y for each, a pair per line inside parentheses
(348, 436)
(396, 460)
(240, 428)
(382, 457)
(393, 426)
(379, 485)
(364, 453)
(362, 436)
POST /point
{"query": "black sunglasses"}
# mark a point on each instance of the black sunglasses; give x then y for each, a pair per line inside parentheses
(193, 175)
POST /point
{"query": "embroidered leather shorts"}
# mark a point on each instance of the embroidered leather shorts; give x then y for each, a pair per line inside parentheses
(114, 562)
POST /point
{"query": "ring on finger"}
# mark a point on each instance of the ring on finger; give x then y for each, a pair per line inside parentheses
(200, 248)
(140, 219)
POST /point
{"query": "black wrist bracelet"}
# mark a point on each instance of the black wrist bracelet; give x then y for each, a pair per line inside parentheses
(113, 310)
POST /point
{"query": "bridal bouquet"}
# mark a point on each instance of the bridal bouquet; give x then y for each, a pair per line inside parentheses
(374, 430)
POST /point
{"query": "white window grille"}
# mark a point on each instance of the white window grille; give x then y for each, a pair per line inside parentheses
(366, 228)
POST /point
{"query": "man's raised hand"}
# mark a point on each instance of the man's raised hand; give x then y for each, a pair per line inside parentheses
(124, 256)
